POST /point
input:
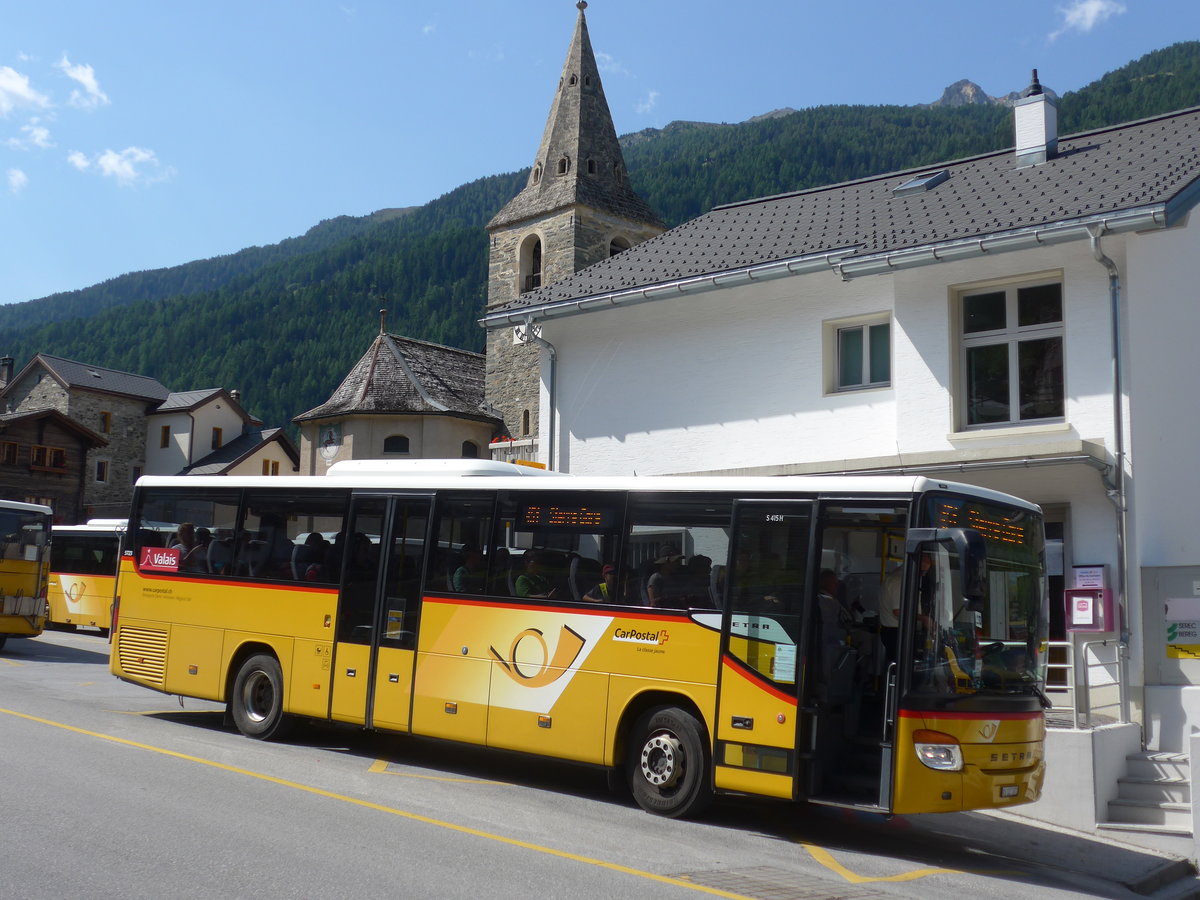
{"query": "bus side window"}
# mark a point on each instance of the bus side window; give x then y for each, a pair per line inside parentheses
(459, 561)
(675, 552)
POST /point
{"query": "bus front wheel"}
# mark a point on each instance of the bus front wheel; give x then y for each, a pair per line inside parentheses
(257, 701)
(668, 763)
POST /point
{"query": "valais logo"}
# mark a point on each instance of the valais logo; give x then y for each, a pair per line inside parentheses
(160, 558)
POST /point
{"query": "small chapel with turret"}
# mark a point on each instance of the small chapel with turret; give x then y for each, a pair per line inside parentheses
(577, 209)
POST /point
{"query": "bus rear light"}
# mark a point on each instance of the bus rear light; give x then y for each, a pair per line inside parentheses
(938, 750)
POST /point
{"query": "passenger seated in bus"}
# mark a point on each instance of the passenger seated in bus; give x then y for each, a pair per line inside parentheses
(605, 590)
(196, 559)
(185, 539)
(534, 583)
(667, 587)
(471, 576)
(308, 559)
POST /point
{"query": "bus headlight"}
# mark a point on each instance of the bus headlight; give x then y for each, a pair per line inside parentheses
(938, 750)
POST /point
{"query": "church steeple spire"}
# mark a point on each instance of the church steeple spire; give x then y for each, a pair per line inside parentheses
(579, 160)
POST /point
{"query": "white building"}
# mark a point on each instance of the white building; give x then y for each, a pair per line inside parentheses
(207, 432)
(1022, 320)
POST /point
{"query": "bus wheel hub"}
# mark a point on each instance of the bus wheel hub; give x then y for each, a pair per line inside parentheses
(662, 760)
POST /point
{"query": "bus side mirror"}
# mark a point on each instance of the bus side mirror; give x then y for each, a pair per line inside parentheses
(972, 556)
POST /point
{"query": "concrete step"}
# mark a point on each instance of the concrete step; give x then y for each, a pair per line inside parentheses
(1155, 790)
(1137, 812)
(1155, 765)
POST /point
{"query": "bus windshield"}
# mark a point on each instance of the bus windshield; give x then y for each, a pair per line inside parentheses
(994, 644)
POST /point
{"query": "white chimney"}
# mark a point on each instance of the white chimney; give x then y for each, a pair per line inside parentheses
(1037, 125)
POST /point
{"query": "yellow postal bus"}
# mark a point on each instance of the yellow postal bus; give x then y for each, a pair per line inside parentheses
(83, 570)
(24, 563)
(874, 642)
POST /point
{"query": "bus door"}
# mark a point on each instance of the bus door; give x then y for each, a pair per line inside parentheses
(758, 720)
(382, 557)
(849, 695)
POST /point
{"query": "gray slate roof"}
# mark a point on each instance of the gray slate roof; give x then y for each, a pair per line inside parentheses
(185, 401)
(220, 461)
(1154, 161)
(181, 401)
(399, 375)
(96, 378)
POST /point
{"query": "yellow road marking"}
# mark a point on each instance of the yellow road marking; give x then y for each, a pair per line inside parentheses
(825, 858)
(366, 804)
(379, 767)
(11, 662)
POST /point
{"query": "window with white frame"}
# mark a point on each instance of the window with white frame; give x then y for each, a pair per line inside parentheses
(1012, 354)
(862, 353)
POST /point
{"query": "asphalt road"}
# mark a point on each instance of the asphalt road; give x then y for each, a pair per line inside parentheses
(110, 790)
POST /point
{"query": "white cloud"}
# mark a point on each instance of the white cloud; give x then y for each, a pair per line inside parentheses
(85, 76)
(131, 167)
(648, 103)
(17, 180)
(35, 135)
(1084, 15)
(16, 92)
(429, 29)
(605, 62)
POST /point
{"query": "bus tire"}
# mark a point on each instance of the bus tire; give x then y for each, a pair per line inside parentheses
(257, 700)
(668, 763)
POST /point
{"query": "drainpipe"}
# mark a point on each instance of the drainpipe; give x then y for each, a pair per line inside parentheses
(1115, 489)
(534, 335)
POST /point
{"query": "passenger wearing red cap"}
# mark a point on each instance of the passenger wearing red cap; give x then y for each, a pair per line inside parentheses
(603, 592)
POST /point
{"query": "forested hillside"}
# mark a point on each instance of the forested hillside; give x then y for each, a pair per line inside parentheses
(284, 323)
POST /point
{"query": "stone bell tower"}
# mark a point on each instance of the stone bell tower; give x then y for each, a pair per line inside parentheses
(577, 209)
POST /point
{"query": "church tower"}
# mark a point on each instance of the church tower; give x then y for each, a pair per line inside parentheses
(577, 208)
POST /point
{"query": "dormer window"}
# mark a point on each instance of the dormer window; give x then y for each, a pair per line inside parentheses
(591, 167)
(536, 178)
(920, 183)
(564, 165)
(573, 80)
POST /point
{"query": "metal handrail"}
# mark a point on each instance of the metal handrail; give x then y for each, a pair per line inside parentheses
(1121, 653)
(1077, 699)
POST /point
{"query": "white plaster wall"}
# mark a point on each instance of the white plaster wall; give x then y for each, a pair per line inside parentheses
(253, 464)
(173, 458)
(429, 437)
(721, 379)
(215, 414)
(1163, 371)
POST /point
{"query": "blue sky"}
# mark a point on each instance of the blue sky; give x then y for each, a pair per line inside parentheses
(137, 134)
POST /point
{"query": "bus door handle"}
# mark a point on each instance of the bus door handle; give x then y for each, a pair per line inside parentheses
(744, 722)
(889, 719)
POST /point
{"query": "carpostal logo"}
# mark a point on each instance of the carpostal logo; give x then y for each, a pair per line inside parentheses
(635, 636)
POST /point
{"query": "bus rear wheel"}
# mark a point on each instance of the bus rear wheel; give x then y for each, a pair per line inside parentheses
(257, 701)
(668, 763)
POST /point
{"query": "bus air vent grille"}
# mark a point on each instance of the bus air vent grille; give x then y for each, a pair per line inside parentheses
(143, 654)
